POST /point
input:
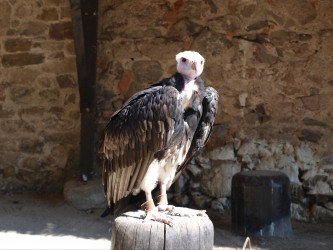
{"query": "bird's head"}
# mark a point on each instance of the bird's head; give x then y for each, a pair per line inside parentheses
(190, 64)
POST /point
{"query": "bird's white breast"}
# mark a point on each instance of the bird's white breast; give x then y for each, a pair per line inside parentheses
(187, 93)
(164, 170)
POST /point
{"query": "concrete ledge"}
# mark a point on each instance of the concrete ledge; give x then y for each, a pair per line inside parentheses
(85, 196)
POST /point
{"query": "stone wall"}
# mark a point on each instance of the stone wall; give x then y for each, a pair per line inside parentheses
(271, 62)
(39, 100)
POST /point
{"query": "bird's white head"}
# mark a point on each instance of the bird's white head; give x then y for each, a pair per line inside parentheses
(190, 64)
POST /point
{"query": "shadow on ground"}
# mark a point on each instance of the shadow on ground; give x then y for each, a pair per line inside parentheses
(25, 217)
(30, 214)
(307, 236)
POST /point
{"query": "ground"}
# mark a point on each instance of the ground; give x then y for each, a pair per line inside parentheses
(38, 222)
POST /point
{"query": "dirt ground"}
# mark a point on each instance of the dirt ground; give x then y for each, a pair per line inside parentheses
(38, 222)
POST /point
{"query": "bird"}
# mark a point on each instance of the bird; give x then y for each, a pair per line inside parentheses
(148, 142)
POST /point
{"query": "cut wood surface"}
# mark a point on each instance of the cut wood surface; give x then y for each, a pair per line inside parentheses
(189, 231)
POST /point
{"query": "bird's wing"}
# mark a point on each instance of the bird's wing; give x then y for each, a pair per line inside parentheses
(204, 118)
(141, 128)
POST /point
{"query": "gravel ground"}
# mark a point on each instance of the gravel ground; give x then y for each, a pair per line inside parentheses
(40, 222)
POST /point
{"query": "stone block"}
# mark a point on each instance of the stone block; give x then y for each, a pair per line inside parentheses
(12, 126)
(56, 2)
(57, 111)
(63, 66)
(50, 95)
(61, 31)
(311, 103)
(33, 28)
(223, 153)
(216, 183)
(32, 146)
(125, 81)
(6, 113)
(220, 204)
(299, 213)
(147, 71)
(203, 162)
(309, 135)
(303, 11)
(21, 93)
(305, 155)
(182, 200)
(326, 162)
(65, 12)
(321, 188)
(322, 214)
(5, 16)
(29, 112)
(23, 9)
(247, 148)
(21, 59)
(199, 200)
(70, 99)
(194, 170)
(313, 122)
(292, 171)
(184, 27)
(49, 14)
(258, 25)
(263, 55)
(242, 98)
(248, 9)
(17, 44)
(85, 196)
(179, 184)
(9, 172)
(329, 205)
(61, 137)
(217, 136)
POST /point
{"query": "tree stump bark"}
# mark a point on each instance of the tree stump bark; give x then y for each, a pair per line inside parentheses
(130, 232)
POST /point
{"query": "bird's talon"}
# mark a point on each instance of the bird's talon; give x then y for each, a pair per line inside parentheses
(155, 215)
(165, 207)
(187, 213)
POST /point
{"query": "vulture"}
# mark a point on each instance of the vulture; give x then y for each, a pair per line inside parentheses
(150, 139)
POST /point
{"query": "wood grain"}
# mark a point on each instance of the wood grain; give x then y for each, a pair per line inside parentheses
(130, 232)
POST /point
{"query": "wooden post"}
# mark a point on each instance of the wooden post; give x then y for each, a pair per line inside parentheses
(84, 19)
(130, 232)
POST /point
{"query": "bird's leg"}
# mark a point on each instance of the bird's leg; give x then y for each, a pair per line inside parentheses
(152, 211)
(149, 204)
(162, 203)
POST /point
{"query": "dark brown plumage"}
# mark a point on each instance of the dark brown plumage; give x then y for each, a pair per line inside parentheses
(155, 134)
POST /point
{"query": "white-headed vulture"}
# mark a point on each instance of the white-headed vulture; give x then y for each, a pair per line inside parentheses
(149, 141)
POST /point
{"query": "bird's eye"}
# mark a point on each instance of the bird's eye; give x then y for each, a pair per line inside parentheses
(201, 62)
(184, 59)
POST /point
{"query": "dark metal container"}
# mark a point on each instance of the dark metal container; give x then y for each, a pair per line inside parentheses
(260, 204)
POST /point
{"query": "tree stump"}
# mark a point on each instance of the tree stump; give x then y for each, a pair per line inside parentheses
(130, 232)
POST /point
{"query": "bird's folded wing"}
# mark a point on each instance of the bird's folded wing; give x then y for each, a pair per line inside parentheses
(204, 128)
(135, 133)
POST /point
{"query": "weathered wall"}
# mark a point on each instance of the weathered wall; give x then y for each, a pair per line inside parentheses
(39, 110)
(271, 62)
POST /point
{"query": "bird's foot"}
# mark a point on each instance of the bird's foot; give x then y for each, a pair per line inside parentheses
(163, 205)
(160, 217)
(152, 213)
(187, 212)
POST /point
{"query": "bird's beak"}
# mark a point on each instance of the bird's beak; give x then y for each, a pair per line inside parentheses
(194, 66)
